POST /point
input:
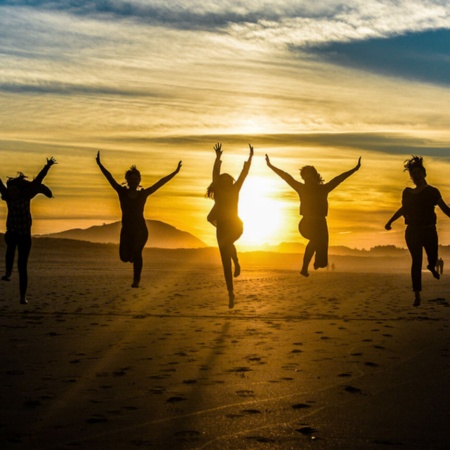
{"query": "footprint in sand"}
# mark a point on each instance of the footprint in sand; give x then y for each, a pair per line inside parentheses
(245, 393)
(301, 406)
(188, 435)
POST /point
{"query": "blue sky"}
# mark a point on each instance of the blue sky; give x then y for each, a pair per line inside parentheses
(152, 82)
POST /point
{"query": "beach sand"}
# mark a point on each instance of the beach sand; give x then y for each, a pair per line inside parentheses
(340, 360)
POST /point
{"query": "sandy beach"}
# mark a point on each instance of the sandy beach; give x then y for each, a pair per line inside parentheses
(340, 360)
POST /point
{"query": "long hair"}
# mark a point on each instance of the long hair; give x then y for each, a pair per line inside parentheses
(413, 163)
(225, 179)
(313, 171)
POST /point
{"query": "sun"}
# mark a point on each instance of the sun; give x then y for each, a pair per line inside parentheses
(261, 212)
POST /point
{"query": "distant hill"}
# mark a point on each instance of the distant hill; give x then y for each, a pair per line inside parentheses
(161, 235)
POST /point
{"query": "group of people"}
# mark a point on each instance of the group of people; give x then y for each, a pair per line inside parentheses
(417, 208)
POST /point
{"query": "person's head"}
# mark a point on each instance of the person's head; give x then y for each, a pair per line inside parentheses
(416, 169)
(133, 177)
(224, 183)
(18, 182)
(310, 175)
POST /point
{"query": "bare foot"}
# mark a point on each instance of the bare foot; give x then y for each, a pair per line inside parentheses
(304, 272)
(434, 272)
(237, 270)
(417, 299)
(231, 300)
(135, 284)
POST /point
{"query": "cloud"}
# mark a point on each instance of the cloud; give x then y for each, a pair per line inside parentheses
(423, 56)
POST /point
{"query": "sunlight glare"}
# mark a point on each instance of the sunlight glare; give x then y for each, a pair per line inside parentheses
(261, 213)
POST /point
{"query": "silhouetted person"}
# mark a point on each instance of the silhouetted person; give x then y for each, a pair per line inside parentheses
(224, 216)
(418, 210)
(132, 198)
(440, 266)
(17, 194)
(313, 194)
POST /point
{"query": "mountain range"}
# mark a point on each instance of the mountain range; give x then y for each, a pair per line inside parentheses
(161, 235)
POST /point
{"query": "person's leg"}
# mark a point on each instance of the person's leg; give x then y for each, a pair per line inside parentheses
(24, 248)
(238, 229)
(305, 228)
(234, 257)
(226, 247)
(225, 255)
(139, 244)
(321, 244)
(414, 244)
(126, 246)
(430, 243)
(11, 245)
(309, 253)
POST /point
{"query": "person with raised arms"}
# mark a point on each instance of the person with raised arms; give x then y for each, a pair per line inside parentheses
(132, 198)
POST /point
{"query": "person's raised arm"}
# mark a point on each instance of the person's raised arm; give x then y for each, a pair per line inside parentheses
(335, 182)
(397, 215)
(150, 190)
(43, 173)
(444, 207)
(115, 185)
(245, 170)
(217, 162)
(290, 180)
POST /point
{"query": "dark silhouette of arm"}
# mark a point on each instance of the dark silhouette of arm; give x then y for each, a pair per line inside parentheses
(115, 185)
(335, 182)
(245, 169)
(43, 173)
(217, 162)
(444, 207)
(397, 215)
(284, 175)
(150, 190)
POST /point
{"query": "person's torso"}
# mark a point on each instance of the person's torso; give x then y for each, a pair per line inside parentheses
(418, 208)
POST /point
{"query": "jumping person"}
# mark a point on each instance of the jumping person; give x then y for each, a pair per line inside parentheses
(224, 190)
(418, 210)
(132, 198)
(313, 194)
(18, 194)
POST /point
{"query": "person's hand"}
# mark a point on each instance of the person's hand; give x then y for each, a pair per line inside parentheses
(359, 164)
(51, 161)
(180, 163)
(97, 158)
(251, 150)
(218, 149)
(268, 160)
(388, 226)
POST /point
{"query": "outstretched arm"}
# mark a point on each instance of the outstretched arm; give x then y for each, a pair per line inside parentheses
(397, 215)
(284, 175)
(3, 190)
(335, 182)
(163, 181)
(42, 174)
(217, 162)
(444, 207)
(115, 185)
(246, 168)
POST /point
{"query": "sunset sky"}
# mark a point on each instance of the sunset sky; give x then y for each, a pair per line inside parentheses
(154, 82)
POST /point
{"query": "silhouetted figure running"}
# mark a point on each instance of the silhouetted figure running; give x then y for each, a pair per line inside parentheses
(313, 194)
(132, 198)
(418, 210)
(224, 216)
(17, 194)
